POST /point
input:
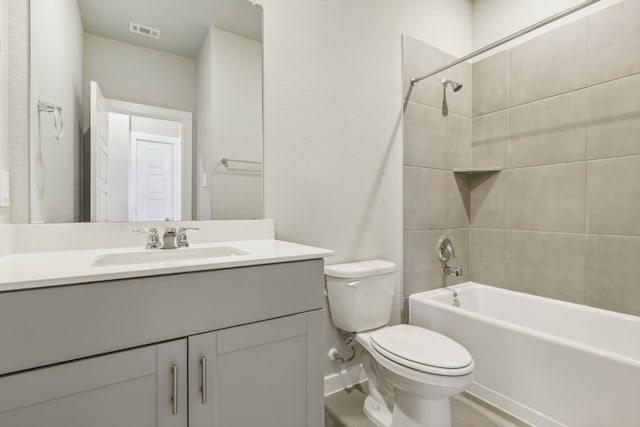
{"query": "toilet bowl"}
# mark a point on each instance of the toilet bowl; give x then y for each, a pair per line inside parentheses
(412, 371)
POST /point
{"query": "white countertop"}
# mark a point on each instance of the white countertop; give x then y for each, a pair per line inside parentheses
(46, 269)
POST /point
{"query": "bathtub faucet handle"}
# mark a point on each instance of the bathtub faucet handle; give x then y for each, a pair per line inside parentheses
(445, 250)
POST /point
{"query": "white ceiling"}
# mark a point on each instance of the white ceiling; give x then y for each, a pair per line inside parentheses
(183, 24)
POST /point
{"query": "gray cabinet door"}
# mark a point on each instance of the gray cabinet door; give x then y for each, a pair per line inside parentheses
(266, 374)
(128, 388)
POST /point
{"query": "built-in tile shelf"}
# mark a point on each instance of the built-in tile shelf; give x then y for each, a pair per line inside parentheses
(472, 171)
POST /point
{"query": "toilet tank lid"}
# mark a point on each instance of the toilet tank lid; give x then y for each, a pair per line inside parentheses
(353, 270)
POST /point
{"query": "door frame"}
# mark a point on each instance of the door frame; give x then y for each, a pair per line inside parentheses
(176, 144)
(185, 120)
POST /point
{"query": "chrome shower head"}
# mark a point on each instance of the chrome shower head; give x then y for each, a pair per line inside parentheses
(456, 86)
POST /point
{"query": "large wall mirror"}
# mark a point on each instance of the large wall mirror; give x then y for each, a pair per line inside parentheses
(145, 110)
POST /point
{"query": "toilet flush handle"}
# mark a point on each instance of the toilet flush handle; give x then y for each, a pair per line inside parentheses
(353, 283)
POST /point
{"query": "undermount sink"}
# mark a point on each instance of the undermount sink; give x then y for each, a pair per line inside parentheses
(164, 255)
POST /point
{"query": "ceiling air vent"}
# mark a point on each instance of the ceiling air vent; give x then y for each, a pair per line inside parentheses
(145, 31)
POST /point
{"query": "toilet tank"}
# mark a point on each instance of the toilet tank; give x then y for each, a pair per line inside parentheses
(360, 294)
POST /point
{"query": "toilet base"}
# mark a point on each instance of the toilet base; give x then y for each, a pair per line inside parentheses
(376, 412)
(410, 412)
(415, 411)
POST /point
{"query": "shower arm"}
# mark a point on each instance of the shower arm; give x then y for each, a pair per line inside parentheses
(507, 39)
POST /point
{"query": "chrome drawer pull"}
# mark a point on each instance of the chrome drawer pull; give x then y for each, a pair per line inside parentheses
(174, 398)
(203, 378)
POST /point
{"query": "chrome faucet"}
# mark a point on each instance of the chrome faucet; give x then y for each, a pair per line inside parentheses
(153, 239)
(169, 238)
(172, 238)
(445, 253)
(181, 240)
(451, 271)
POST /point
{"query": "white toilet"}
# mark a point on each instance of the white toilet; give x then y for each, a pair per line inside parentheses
(412, 371)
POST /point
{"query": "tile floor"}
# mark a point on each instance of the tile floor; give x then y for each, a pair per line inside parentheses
(344, 409)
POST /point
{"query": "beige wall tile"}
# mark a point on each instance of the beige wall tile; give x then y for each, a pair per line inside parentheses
(491, 84)
(550, 64)
(490, 140)
(548, 264)
(613, 196)
(548, 198)
(613, 273)
(419, 58)
(613, 126)
(488, 257)
(435, 198)
(489, 196)
(549, 131)
(424, 139)
(422, 267)
(457, 131)
(614, 42)
(432, 140)
(422, 207)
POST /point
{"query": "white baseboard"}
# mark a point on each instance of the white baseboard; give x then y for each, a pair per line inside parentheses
(346, 378)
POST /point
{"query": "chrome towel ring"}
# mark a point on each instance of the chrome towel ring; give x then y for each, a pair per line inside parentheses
(58, 121)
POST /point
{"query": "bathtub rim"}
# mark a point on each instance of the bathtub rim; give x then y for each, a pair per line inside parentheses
(427, 297)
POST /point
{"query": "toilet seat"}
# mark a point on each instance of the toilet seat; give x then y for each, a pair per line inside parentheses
(423, 350)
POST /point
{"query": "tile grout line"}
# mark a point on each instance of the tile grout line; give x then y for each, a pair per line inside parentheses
(586, 184)
(509, 143)
(564, 233)
(438, 109)
(587, 87)
(586, 165)
(572, 162)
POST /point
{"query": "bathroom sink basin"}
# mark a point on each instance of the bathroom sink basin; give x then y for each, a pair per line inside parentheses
(164, 255)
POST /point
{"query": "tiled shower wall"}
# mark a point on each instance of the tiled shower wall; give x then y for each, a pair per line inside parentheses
(436, 200)
(560, 114)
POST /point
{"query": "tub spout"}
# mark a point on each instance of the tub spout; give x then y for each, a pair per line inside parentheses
(451, 271)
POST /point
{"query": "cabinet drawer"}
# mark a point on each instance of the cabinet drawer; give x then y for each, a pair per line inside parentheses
(46, 326)
(247, 336)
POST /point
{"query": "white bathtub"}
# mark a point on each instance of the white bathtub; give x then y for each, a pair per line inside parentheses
(547, 362)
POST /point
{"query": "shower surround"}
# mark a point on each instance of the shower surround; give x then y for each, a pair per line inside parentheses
(560, 114)
(436, 200)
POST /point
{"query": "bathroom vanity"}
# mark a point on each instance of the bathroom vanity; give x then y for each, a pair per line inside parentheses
(235, 341)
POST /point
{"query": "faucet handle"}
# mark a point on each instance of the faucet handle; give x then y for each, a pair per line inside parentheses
(145, 230)
(153, 239)
(182, 241)
(445, 250)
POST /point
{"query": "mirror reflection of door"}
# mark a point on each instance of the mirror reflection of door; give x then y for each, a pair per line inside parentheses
(139, 158)
(99, 155)
(155, 177)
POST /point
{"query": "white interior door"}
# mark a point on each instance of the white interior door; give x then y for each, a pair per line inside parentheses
(99, 121)
(154, 188)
